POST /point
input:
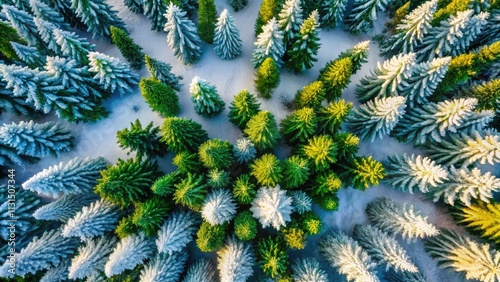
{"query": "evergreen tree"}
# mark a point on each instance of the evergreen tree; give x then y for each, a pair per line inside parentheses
(162, 71)
(64, 208)
(308, 269)
(243, 190)
(290, 20)
(348, 145)
(272, 206)
(11, 103)
(267, 78)
(376, 118)
(216, 154)
(383, 248)
(135, 6)
(244, 151)
(296, 172)
(91, 257)
(219, 207)
(8, 34)
(272, 257)
(154, 10)
(365, 172)
(209, 237)
(29, 55)
(58, 273)
(262, 130)
(160, 97)
(299, 126)
(301, 202)
(311, 223)
(182, 36)
(207, 18)
(128, 48)
(165, 185)
(164, 267)
(45, 12)
(64, 9)
(205, 97)
(331, 117)
(364, 12)
(491, 32)
(203, 270)
(191, 192)
(128, 253)
(243, 107)
(73, 46)
(267, 170)
(268, 9)
(482, 217)
(345, 254)
(449, 8)
(394, 218)
(182, 134)
(335, 77)
(149, 215)
(295, 238)
(98, 16)
(358, 55)
(405, 276)
(227, 41)
(176, 232)
(311, 95)
(144, 141)
(186, 162)
(333, 13)
(78, 176)
(304, 50)
(408, 173)
(126, 227)
(321, 151)
(245, 226)
(269, 44)
(113, 75)
(235, 261)
(218, 179)
(326, 184)
(37, 139)
(486, 94)
(23, 22)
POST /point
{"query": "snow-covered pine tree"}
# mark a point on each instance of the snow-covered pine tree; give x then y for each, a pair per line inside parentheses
(376, 118)
(135, 6)
(308, 269)
(411, 31)
(11, 103)
(205, 97)
(182, 36)
(162, 71)
(394, 218)
(159, 96)
(45, 12)
(235, 261)
(23, 22)
(335, 76)
(262, 130)
(290, 20)
(304, 49)
(37, 139)
(29, 55)
(9, 156)
(491, 32)
(65, 207)
(91, 257)
(409, 173)
(46, 32)
(112, 74)
(8, 34)
(387, 79)
(299, 126)
(301, 202)
(58, 273)
(268, 10)
(73, 46)
(207, 18)
(460, 253)
(364, 12)
(244, 151)
(164, 267)
(154, 10)
(272, 207)
(227, 41)
(482, 218)
(128, 253)
(269, 43)
(405, 276)
(267, 170)
(203, 270)
(177, 231)
(130, 50)
(345, 254)
(219, 207)
(144, 141)
(358, 55)
(333, 13)
(182, 134)
(98, 16)
(383, 248)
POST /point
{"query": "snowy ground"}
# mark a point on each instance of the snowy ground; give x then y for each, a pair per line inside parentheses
(230, 77)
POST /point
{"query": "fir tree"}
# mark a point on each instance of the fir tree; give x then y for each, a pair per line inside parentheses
(64, 9)
(243, 107)
(227, 41)
(244, 190)
(128, 253)
(176, 232)
(209, 237)
(144, 141)
(245, 226)
(23, 22)
(191, 191)
(154, 10)
(311, 223)
(216, 154)
(135, 6)
(186, 162)
(112, 74)
(11, 103)
(97, 16)
(272, 206)
(348, 145)
(160, 97)
(304, 50)
(64, 208)
(29, 55)
(358, 55)
(272, 257)
(182, 134)
(126, 227)
(321, 151)
(162, 71)
(244, 151)
(296, 172)
(205, 97)
(333, 13)
(77, 176)
(218, 179)
(267, 170)
(301, 202)
(235, 261)
(268, 9)
(269, 44)
(262, 130)
(363, 14)
(482, 218)
(404, 276)
(73, 46)
(449, 8)
(335, 77)
(207, 18)
(331, 117)
(299, 126)
(203, 270)
(45, 12)
(165, 185)
(311, 95)
(290, 20)
(394, 218)
(182, 36)
(8, 34)
(91, 257)
(164, 267)
(128, 48)
(148, 215)
(267, 78)
(491, 32)
(219, 207)
(308, 269)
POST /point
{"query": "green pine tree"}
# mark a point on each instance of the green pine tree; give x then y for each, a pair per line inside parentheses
(299, 126)
(321, 151)
(186, 162)
(245, 226)
(311, 95)
(216, 154)
(331, 117)
(262, 130)
(144, 141)
(272, 256)
(207, 18)
(130, 50)
(267, 78)
(209, 237)
(160, 97)
(182, 134)
(482, 218)
(365, 172)
(243, 107)
(268, 9)
(296, 172)
(267, 170)
(335, 77)
(244, 190)
(191, 191)
(162, 71)
(9, 34)
(149, 215)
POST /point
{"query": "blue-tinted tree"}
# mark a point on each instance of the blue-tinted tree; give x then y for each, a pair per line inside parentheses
(128, 253)
(98, 16)
(165, 267)
(227, 41)
(92, 255)
(65, 207)
(177, 231)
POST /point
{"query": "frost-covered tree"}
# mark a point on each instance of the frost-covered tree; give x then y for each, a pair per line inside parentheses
(227, 41)
(73, 46)
(46, 31)
(37, 139)
(182, 36)
(245, 226)
(91, 257)
(203, 270)
(244, 151)
(394, 218)
(267, 170)
(65, 207)
(376, 118)
(191, 192)
(308, 269)
(358, 54)
(58, 273)
(331, 117)
(409, 173)
(219, 207)
(205, 97)
(335, 77)
(243, 107)
(235, 261)
(272, 256)
(130, 50)
(269, 43)
(144, 141)
(135, 6)
(209, 237)
(216, 154)
(262, 130)
(304, 50)
(29, 55)
(160, 97)
(332, 12)
(153, 10)
(23, 22)
(98, 16)
(267, 78)
(364, 12)
(387, 79)
(296, 172)
(128, 253)
(345, 254)
(383, 248)
(321, 151)
(243, 189)
(460, 253)
(207, 18)
(290, 20)
(177, 231)
(218, 179)
(301, 202)
(112, 74)
(162, 71)
(405, 276)
(483, 218)
(182, 134)
(11, 103)
(149, 215)
(272, 206)
(164, 267)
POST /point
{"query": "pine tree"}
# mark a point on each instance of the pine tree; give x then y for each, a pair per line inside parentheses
(191, 192)
(376, 118)
(207, 15)
(165, 185)
(449, 8)
(209, 237)
(182, 134)
(267, 170)
(176, 232)
(245, 226)
(45, 12)
(335, 77)
(160, 97)
(345, 254)
(91, 257)
(408, 173)
(267, 78)
(149, 215)
(144, 141)
(227, 41)
(296, 172)
(486, 94)
(311, 223)
(238, 4)
(301, 202)
(235, 261)
(127, 181)
(218, 179)
(135, 6)
(295, 238)
(37, 139)
(186, 162)
(126, 227)
(216, 154)
(205, 97)
(358, 55)
(321, 151)
(64, 208)
(269, 44)
(272, 206)
(308, 269)
(8, 34)
(128, 253)
(29, 55)
(304, 50)
(331, 117)
(311, 95)
(244, 151)
(348, 145)
(268, 9)
(491, 32)
(364, 172)
(460, 253)
(383, 248)
(98, 16)
(64, 9)
(325, 184)
(333, 13)
(182, 36)
(482, 218)
(387, 79)
(404, 276)
(112, 74)
(73, 46)
(77, 176)
(219, 207)
(11, 103)
(243, 107)
(272, 257)
(244, 190)
(162, 71)
(363, 14)
(394, 218)
(154, 10)
(290, 20)
(23, 22)
(203, 270)
(299, 126)
(262, 130)
(128, 48)
(165, 267)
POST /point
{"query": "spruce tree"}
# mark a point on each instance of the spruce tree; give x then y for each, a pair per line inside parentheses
(164, 186)
(290, 20)
(135, 6)
(483, 218)
(64, 9)
(218, 179)
(262, 130)
(177, 231)
(311, 95)
(64, 208)
(486, 93)
(227, 41)
(45, 12)
(73, 46)
(331, 117)
(321, 151)
(165, 267)
(358, 55)
(98, 16)
(238, 4)
(160, 97)
(295, 238)
(205, 97)
(269, 43)
(182, 134)
(8, 34)
(191, 192)
(10, 103)
(268, 9)
(296, 172)
(267, 78)
(348, 145)
(245, 226)
(162, 71)
(154, 10)
(209, 237)
(333, 13)
(272, 206)
(308, 269)
(267, 170)
(244, 190)
(23, 22)
(216, 154)
(111, 73)
(335, 77)
(128, 253)
(56, 273)
(203, 270)
(187, 162)
(363, 14)
(299, 126)
(29, 55)
(304, 50)
(207, 18)
(144, 141)
(272, 256)
(149, 215)
(91, 257)
(128, 48)
(301, 202)
(243, 107)
(182, 36)
(449, 8)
